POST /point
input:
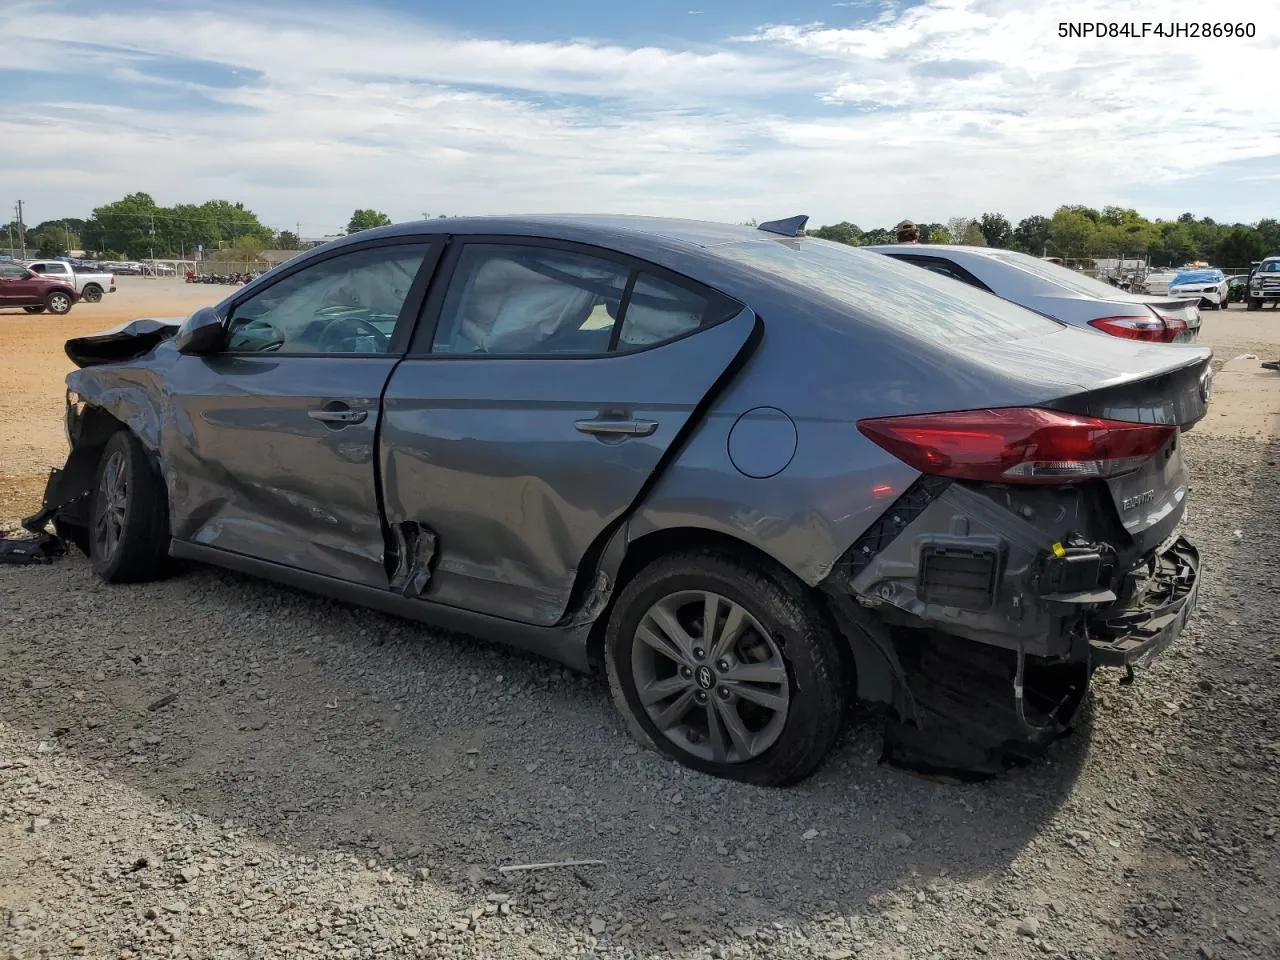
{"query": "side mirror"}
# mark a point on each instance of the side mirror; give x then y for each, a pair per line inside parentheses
(200, 333)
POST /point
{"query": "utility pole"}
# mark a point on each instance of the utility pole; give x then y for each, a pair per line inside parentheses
(67, 233)
(22, 231)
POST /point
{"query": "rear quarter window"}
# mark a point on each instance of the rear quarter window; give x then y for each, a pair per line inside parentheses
(890, 292)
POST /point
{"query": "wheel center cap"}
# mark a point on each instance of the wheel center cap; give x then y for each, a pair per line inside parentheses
(706, 679)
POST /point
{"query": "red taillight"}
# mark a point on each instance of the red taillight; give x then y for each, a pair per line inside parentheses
(1174, 327)
(1017, 444)
(1150, 329)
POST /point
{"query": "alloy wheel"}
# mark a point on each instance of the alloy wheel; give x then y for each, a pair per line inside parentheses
(710, 677)
(59, 303)
(110, 506)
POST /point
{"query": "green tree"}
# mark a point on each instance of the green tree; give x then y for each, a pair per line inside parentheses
(1071, 233)
(367, 220)
(288, 240)
(957, 226)
(1031, 234)
(996, 230)
(843, 232)
(50, 245)
(878, 235)
(973, 235)
(935, 233)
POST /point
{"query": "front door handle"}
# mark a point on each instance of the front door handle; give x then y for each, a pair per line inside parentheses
(338, 413)
(602, 426)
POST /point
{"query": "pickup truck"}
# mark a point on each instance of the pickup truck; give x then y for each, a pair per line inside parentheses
(90, 286)
(21, 287)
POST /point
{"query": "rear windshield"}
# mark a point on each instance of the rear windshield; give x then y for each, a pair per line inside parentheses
(895, 293)
(1072, 280)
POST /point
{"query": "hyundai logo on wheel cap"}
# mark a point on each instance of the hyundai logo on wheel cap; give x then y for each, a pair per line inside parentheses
(706, 679)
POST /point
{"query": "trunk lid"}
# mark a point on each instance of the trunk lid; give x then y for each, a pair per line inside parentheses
(1151, 499)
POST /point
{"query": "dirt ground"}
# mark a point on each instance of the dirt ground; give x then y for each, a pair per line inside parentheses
(215, 767)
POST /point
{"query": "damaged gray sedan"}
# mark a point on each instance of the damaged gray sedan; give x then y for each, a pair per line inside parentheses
(754, 475)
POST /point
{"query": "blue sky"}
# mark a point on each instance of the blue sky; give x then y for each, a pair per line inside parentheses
(861, 110)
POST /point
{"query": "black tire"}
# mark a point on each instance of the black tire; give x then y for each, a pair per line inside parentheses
(129, 519)
(35, 309)
(58, 302)
(92, 293)
(803, 636)
(1253, 303)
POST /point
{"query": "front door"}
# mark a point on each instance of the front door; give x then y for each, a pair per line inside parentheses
(18, 287)
(271, 442)
(557, 380)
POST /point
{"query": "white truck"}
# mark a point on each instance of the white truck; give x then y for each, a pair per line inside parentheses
(90, 286)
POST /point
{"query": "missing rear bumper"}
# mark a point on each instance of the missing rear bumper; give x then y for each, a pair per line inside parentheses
(1163, 604)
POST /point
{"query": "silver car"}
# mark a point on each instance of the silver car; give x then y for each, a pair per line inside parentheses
(1058, 292)
(752, 475)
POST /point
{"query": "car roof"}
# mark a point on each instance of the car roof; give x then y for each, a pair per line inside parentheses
(932, 247)
(611, 230)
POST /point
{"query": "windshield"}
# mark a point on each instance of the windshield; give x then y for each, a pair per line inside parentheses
(1196, 276)
(1061, 276)
(1270, 266)
(894, 293)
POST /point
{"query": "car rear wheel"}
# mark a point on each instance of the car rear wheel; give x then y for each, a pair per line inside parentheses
(35, 309)
(91, 293)
(58, 302)
(129, 523)
(726, 669)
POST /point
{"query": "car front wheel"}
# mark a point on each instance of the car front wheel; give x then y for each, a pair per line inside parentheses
(58, 302)
(725, 668)
(129, 522)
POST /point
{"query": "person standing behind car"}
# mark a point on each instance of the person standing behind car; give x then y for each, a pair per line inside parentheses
(907, 232)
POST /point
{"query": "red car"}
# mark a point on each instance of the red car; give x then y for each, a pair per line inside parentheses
(19, 287)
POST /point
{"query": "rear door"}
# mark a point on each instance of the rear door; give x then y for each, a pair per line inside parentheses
(544, 388)
(270, 443)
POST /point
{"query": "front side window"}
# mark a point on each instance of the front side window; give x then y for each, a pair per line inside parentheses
(12, 273)
(346, 304)
(39, 268)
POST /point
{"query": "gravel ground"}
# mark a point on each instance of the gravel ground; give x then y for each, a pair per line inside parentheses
(217, 767)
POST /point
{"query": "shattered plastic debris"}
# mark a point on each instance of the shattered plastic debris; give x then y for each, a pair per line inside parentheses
(37, 546)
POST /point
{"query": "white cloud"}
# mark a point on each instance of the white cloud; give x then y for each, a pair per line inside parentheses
(947, 108)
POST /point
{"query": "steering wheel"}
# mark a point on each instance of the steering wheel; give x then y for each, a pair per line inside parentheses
(363, 327)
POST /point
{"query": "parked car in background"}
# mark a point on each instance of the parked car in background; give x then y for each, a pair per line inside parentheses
(755, 474)
(1056, 291)
(35, 293)
(1209, 285)
(1156, 283)
(1237, 288)
(90, 285)
(1264, 284)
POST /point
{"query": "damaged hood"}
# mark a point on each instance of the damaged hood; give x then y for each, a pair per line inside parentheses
(119, 344)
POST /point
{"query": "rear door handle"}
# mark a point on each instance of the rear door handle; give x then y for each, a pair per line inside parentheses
(617, 428)
(338, 413)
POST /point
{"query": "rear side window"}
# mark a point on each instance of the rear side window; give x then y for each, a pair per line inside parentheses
(39, 268)
(889, 291)
(518, 300)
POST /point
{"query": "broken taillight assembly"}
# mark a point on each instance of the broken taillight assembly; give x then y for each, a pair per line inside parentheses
(1017, 445)
(1157, 329)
